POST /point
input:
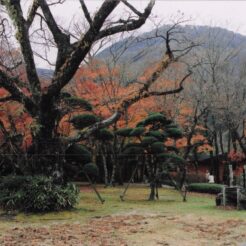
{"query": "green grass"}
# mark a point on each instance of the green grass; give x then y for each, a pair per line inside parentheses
(170, 203)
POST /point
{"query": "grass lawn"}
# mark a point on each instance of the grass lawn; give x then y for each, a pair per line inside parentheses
(120, 223)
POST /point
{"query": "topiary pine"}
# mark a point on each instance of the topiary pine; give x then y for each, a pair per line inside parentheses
(78, 153)
(174, 133)
(91, 169)
(160, 135)
(171, 157)
(157, 148)
(124, 132)
(83, 120)
(104, 134)
(152, 132)
(154, 118)
(131, 151)
(137, 132)
(140, 124)
(148, 141)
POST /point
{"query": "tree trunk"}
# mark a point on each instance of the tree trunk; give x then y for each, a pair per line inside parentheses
(105, 168)
(46, 155)
(237, 137)
(221, 142)
(152, 191)
(112, 180)
(216, 163)
(229, 142)
(233, 138)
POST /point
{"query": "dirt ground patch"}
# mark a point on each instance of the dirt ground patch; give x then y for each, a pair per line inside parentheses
(132, 229)
(134, 222)
(101, 231)
(191, 230)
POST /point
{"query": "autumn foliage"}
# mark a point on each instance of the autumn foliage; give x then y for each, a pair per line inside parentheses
(102, 86)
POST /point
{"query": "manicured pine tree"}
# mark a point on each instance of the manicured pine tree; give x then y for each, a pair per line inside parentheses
(148, 142)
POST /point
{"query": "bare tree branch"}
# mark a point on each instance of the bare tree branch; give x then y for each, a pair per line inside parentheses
(61, 38)
(86, 12)
(5, 99)
(174, 91)
(129, 25)
(22, 35)
(10, 84)
(32, 13)
(81, 48)
(133, 9)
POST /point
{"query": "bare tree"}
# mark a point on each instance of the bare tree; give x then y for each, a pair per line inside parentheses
(42, 105)
(217, 90)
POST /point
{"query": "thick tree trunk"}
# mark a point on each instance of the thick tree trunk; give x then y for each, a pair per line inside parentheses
(46, 152)
(46, 120)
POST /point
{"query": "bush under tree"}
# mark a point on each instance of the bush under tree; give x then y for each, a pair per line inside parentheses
(36, 194)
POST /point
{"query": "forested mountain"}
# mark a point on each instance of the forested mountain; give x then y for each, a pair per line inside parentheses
(143, 50)
(45, 73)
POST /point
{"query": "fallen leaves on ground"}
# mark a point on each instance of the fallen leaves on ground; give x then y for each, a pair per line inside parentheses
(132, 229)
(101, 231)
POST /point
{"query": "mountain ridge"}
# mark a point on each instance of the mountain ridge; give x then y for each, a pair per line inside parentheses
(140, 55)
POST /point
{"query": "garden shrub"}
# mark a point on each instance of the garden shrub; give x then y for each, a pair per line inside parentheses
(205, 188)
(36, 194)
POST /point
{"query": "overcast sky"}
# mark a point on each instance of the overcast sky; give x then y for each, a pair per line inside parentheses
(227, 14)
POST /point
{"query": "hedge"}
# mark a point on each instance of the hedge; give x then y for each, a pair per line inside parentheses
(205, 188)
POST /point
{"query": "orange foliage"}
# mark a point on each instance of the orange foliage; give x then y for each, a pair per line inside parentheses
(236, 156)
(101, 86)
(12, 111)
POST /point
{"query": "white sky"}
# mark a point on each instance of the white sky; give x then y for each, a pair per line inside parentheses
(228, 14)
